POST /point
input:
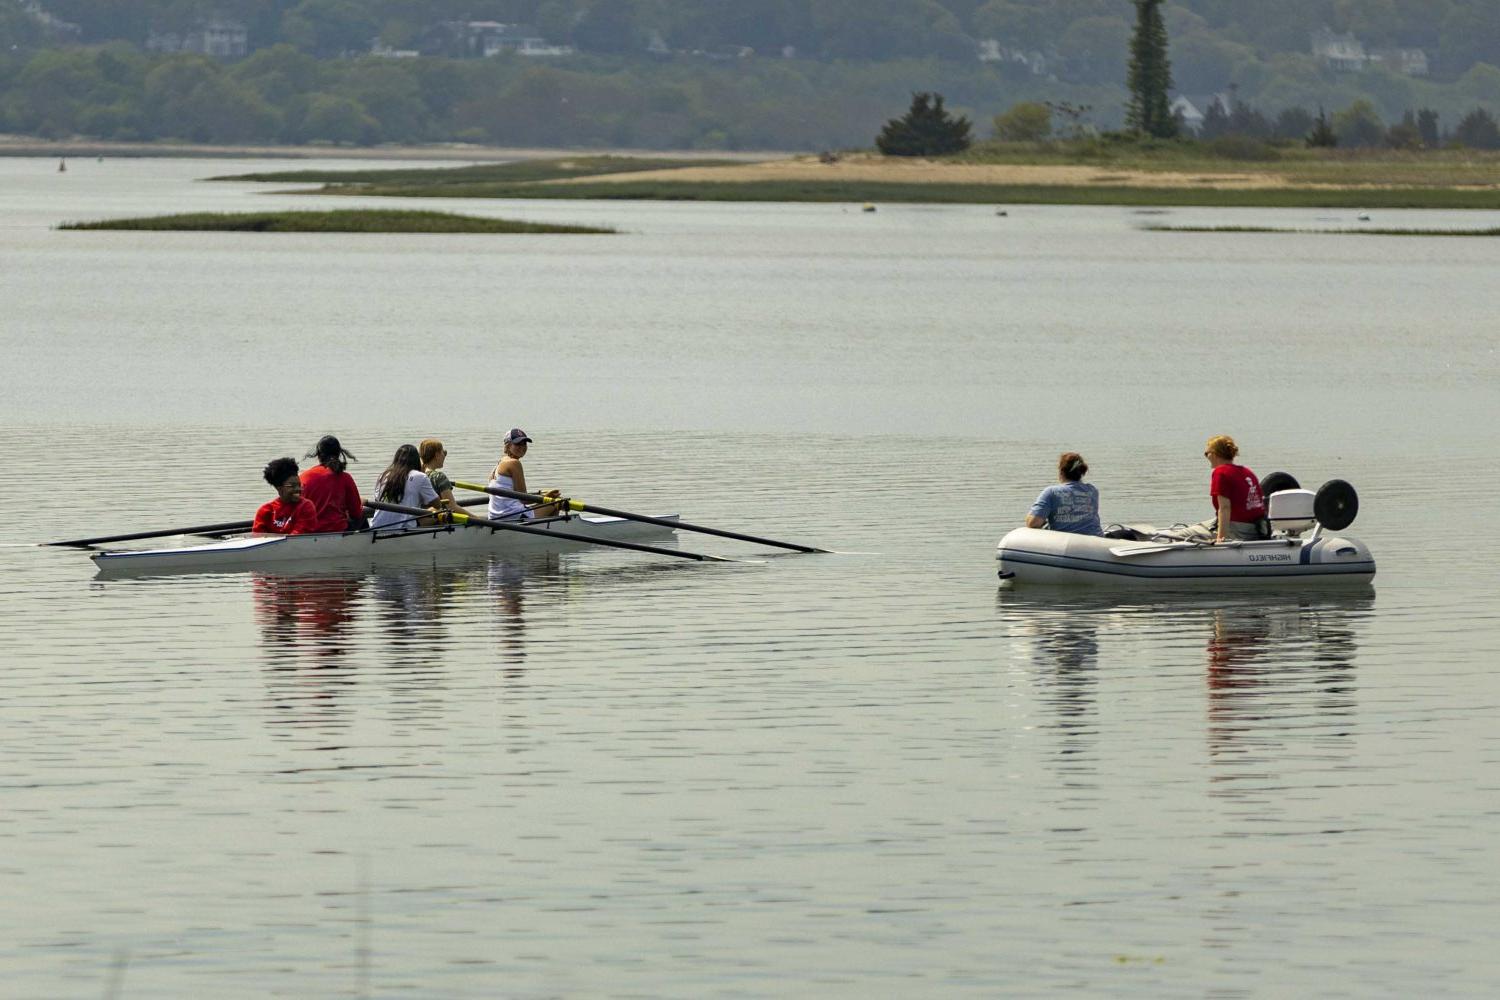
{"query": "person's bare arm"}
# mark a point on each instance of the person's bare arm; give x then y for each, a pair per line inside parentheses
(517, 476)
(1224, 511)
(1032, 521)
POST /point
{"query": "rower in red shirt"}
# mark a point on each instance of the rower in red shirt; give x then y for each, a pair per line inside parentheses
(288, 514)
(332, 491)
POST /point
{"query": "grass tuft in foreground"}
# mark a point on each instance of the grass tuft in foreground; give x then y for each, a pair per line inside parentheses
(342, 221)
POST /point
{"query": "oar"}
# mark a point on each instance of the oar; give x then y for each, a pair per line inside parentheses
(643, 518)
(202, 529)
(568, 536)
(1145, 550)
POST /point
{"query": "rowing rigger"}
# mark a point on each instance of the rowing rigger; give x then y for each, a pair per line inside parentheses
(566, 536)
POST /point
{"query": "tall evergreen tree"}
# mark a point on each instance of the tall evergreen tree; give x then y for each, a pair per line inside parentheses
(1150, 75)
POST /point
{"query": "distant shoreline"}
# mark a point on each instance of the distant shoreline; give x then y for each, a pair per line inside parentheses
(1441, 182)
(13, 145)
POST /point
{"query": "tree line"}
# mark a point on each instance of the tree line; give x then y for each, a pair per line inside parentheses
(1220, 40)
(283, 95)
(292, 92)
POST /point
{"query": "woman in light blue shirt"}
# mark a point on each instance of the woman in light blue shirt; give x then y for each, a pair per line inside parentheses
(1071, 505)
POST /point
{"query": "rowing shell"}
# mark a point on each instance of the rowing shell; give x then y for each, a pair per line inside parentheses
(261, 551)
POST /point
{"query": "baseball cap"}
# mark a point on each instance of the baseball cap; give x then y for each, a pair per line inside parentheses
(517, 436)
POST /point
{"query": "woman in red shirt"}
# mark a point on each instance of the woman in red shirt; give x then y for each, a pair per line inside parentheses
(288, 514)
(331, 490)
(1235, 491)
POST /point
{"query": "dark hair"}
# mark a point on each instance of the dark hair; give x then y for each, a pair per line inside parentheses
(330, 453)
(279, 470)
(391, 486)
(1071, 466)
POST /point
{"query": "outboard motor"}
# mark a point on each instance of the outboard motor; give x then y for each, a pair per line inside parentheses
(1292, 511)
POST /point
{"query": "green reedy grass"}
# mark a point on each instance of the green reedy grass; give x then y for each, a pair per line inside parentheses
(1444, 179)
(521, 172)
(343, 221)
(945, 193)
(1323, 232)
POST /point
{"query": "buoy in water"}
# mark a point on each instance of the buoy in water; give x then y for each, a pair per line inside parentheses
(868, 207)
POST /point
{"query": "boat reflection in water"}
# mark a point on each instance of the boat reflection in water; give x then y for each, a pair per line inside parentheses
(407, 628)
(1279, 667)
(1062, 642)
(323, 634)
(1282, 672)
(306, 626)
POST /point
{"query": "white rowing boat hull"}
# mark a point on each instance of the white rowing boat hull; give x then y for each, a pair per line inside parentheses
(1060, 558)
(347, 548)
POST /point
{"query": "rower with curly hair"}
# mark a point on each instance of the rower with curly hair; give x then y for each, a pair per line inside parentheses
(288, 514)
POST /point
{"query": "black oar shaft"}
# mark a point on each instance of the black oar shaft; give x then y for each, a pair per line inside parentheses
(501, 491)
(202, 529)
(567, 536)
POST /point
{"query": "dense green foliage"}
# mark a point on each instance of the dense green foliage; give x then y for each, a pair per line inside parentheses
(927, 129)
(344, 221)
(1149, 80)
(1026, 121)
(1222, 32)
(855, 62)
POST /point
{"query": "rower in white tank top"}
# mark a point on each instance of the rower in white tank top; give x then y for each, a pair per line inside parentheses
(504, 507)
(508, 475)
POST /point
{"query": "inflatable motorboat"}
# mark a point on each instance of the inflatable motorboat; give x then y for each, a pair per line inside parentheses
(1305, 548)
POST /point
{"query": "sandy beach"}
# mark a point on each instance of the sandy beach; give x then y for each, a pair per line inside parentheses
(912, 170)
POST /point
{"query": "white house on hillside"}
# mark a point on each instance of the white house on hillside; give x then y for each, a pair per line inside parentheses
(1187, 113)
(1348, 54)
(1341, 52)
(1407, 62)
(219, 37)
(991, 51)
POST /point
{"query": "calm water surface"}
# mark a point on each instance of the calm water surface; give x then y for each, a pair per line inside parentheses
(870, 773)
